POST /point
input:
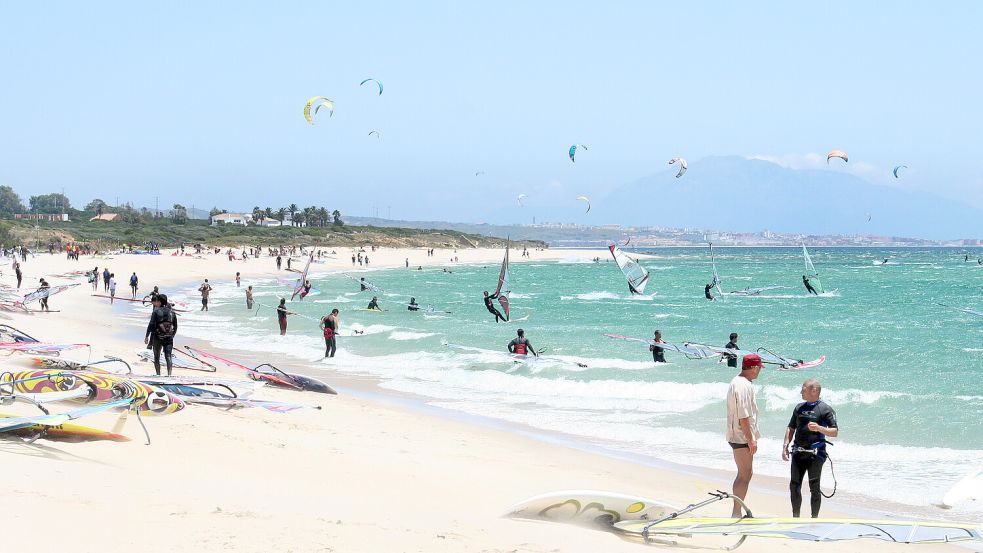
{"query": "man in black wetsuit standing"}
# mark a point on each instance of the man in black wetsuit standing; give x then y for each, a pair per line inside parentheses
(812, 422)
(732, 344)
(706, 291)
(658, 354)
(491, 306)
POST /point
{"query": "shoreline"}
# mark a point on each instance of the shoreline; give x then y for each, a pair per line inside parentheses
(374, 467)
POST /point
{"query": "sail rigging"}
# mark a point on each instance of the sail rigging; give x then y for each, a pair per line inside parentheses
(716, 277)
(504, 286)
(811, 273)
(636, 275)
(303, 280)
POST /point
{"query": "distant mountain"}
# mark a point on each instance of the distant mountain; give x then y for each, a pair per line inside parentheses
(738, 194)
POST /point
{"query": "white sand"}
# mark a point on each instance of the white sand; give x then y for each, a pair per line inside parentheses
(368, 475)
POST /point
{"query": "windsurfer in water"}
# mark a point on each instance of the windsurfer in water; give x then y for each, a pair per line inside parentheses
(491, 306)
(306, 289)
(809, 288)
(732, 344)
(362, 283)
(706, 291)
(329, 326)
(658, 354)
(520, 345)
(413, 306)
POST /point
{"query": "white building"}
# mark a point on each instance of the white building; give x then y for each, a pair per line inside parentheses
(232, 219)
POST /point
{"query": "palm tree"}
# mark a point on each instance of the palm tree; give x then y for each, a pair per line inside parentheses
(299, 219)
(322, 215)
(292, 208)
(257, 214)
(281, 214)
(337, 217)
(268, 213)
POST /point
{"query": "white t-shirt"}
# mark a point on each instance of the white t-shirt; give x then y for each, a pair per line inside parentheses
(112, 284)
(741, 404)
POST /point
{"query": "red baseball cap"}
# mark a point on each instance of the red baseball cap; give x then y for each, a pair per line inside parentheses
(750, 361)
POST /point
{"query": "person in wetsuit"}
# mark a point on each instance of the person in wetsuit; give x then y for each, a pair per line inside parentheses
(811, 423)
(413, 306)
(374, 304)
(732, 344)
(706, 291)
(306, 289)
(491, 306)
(329, 326)
(364, 287)
(809, 288)
(658, 354)
(521, 345)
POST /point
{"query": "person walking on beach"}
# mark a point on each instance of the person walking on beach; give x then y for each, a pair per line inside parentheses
(134, 281)
(238, 280)
(161, 331)
(18, 274)
(112, 287)
(205, 288)
(151, 296)
(279, 261)
(658, 354)
(249, 297)
(281, 316)
(491, 306)
(742, 425)
(732, 344)
(329, 326)
(811, 423)
(93, 278)
(105, 279)
(44, 289)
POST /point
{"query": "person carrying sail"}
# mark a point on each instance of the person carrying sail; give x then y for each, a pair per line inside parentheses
(521, 345)
(658, 354)
(706, 291)
(811, 423)
(809, 288)
(491, 306)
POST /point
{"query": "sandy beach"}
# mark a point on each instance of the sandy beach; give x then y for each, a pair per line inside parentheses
(370, 471)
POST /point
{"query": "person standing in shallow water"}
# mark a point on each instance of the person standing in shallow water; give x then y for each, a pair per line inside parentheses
(658, 354)
(281, 316)
(812, 422)
(205, 288)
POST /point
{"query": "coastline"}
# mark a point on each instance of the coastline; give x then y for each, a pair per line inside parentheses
(451, 475)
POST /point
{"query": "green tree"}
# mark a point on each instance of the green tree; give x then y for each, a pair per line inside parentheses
(96, 206)
(179, 214)
(281, 214)
(10, 203)
(292, 208)
(50, 203)
(214, 211)
(337, 218)
(258, 214)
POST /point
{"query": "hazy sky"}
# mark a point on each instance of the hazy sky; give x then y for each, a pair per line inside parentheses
(201, 102)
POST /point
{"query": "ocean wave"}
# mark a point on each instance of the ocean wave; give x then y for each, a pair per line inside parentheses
(404, 335)
(590, 296)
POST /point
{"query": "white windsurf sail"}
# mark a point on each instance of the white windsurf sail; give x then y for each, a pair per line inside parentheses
(635, 274)
(897, 531)
(716, 277)
(46, 292)
(811, 273)
(303, 279)
(685, 349)
(504, 287)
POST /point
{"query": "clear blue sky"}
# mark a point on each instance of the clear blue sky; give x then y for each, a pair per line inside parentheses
(201, 102)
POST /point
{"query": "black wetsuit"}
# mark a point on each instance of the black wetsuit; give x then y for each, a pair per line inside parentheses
(160, 343)
(809, 288)
(491, 307)
(413, 307)
(373, 305)
(706, 291)
(731, 359)
(330, 345)
(658, 354)
(806, 462)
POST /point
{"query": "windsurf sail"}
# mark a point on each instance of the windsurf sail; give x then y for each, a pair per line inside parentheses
(816, 529)
(46, 292)
(303, 280)
(636, 275)
(716, 277)
(685, 349)
(767, 356)
(811, 273)
(368, 285)
(283, 379)
(16, 423)
(38, 347)
(504, 286)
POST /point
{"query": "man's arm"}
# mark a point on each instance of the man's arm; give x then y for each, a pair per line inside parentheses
(745, 425)
(788, 439)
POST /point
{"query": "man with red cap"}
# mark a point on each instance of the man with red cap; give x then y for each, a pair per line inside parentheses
(742, 424)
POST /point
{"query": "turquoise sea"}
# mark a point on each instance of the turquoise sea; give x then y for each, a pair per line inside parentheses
(903, 372)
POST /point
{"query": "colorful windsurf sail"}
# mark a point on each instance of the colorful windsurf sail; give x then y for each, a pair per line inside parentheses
(299, 288)
(504, 287)
(635, 274)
